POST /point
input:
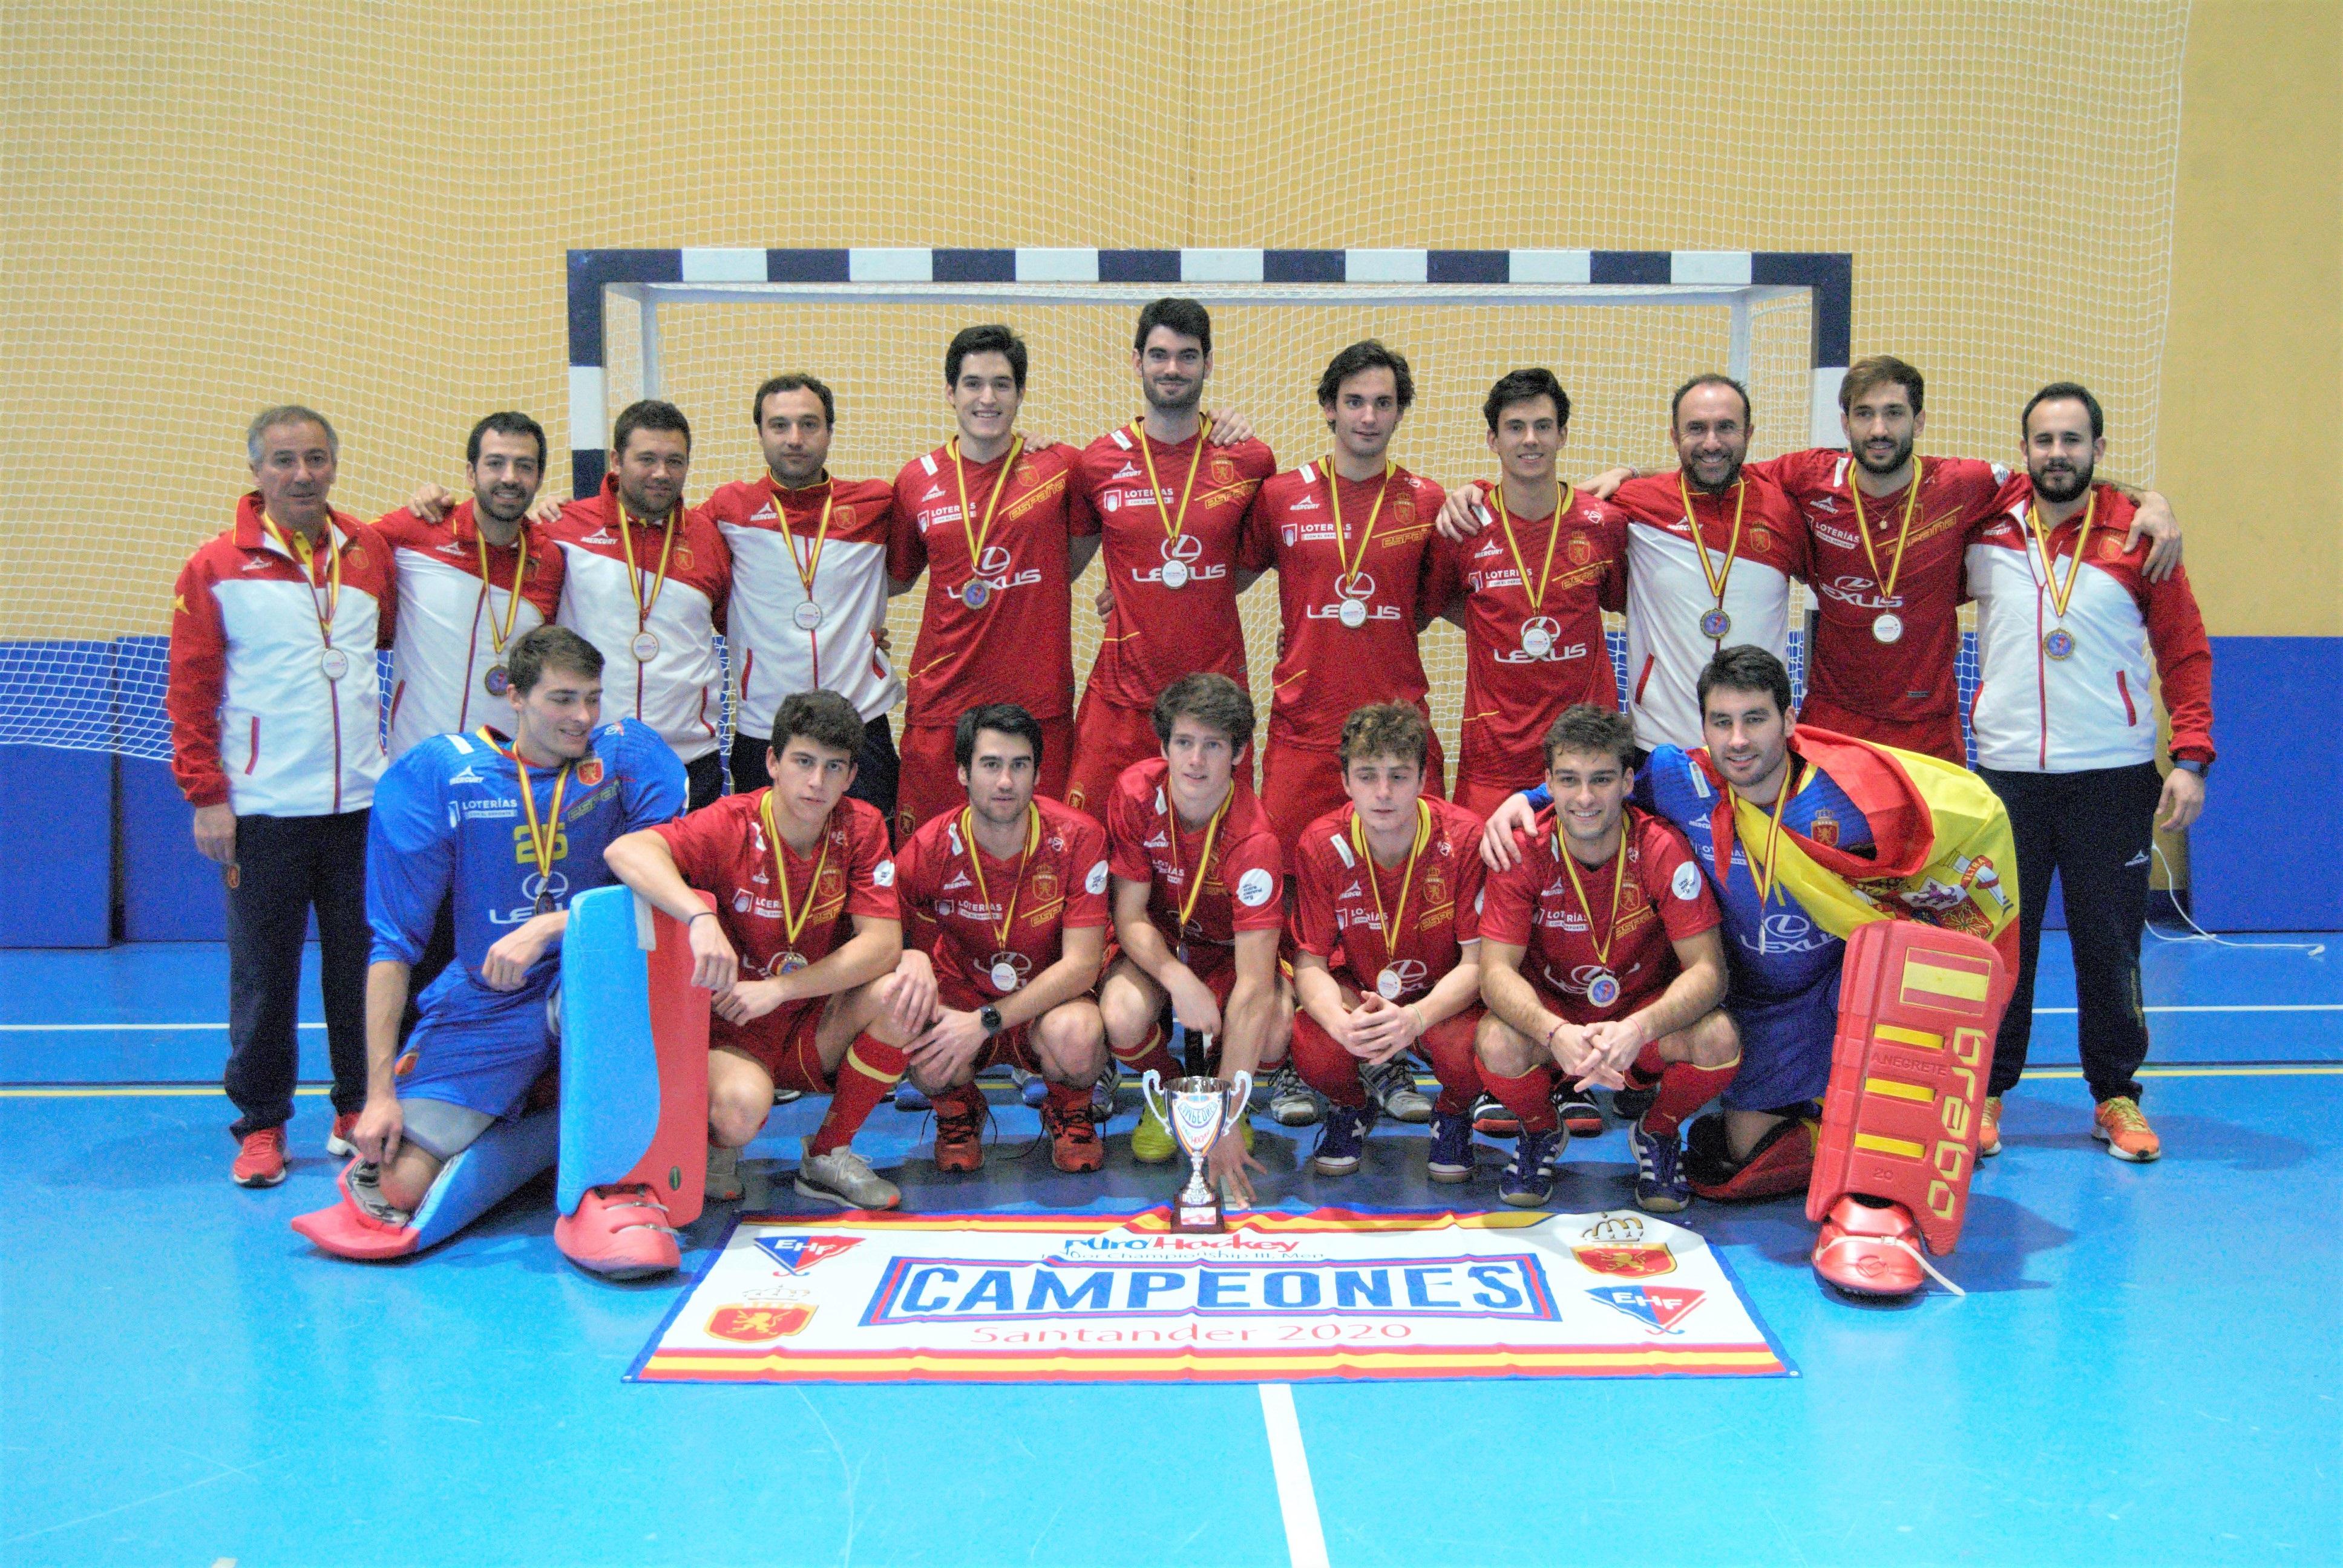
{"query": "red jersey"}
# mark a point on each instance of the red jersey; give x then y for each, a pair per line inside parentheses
(999, 622)
(1528, 658)
(722, 850)
(1327, 666)
(1662, 899)
(1342, 898)
(1849, 666)
(955, 905)
(1157, 632)
(1243, 883)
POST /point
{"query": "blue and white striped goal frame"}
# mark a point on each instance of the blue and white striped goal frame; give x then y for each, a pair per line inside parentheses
(648, 278)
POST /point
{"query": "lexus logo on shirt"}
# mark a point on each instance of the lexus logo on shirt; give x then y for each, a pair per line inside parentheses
(994, 567)
(1359, 589)
(1187, 550)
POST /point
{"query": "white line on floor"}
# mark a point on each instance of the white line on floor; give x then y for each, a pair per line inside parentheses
(1305, 1540)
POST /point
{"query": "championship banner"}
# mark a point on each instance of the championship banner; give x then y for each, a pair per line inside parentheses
(1281, 1297)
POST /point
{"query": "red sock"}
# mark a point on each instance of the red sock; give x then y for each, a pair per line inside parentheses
(1529, 1097)
(1449, 1044)
(1647, 1068)
(865, 1078)
(1684, 1088)
(1070, 1101)
(1150, 1052)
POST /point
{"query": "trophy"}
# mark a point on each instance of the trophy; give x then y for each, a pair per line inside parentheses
(1200, 1111)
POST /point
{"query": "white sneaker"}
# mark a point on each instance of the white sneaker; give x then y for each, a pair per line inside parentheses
(1393, 1087)
(1103, 1092)
(844, 1177)
(1292, 1103)
(723, 1174)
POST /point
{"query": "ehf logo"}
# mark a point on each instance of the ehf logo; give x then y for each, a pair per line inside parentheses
(796, 1254)
(1659, 1308)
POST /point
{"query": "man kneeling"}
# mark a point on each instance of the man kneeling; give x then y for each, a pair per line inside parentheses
(800, 950)
(1627, 966)
(1004, 907)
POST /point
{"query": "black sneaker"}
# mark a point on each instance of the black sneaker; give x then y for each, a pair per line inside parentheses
(1581, 1118)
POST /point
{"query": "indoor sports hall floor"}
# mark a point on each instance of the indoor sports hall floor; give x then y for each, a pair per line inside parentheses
(2145, 1370)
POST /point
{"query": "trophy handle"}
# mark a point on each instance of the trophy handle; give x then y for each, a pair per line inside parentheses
(1150, 1092)
(1239, 1101)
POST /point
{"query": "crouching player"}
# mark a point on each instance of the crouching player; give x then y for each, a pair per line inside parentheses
(504, 832)
(1625, 966)
(1004, 914)
(1199, 906)
(800, 950)
(1386, 930)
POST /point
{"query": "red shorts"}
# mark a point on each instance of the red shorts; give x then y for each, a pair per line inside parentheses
(1480, 799)
(1939, 735)
(782, 1042)
(1447, 1045)
(1299, 785)
(1012, 1047)
(929, 783)
(1107, 738)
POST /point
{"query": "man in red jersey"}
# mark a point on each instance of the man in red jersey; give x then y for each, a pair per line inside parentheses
(1169, 500)
(1358, 572)
(994, 525)
(1386, 924)
(1004, 908)
(1199, 884)
(809, 586)
(1534, 585)
(1624, 966)
(472, 579)
(801, 949)
(646, 581)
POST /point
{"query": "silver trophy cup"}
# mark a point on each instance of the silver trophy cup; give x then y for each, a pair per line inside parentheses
(1200, 1111)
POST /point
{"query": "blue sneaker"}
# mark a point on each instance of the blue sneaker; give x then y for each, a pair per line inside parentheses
(1452, 1146)
(1528, 1181)
(1659, 1184)
(1031, 1087)
(1342, 1138)
(907, 1096)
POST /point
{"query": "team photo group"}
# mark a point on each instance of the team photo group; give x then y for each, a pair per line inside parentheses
(1766, 924)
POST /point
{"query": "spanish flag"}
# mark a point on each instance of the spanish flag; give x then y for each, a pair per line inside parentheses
(1943, 853)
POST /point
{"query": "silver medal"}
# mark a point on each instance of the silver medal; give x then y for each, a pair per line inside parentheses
(1537, 641)
(1388, 983)
(1353, 613)
(1175, 574)
(645, 647)
(1004, 977)
(1887, 627)
(807, 616)
(335, 663)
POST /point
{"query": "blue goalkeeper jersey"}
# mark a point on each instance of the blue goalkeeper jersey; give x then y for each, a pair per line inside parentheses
(449, 824)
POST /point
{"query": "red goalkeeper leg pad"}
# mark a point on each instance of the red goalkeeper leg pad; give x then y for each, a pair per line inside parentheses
(1781, 1164)
(346, 1231)
(1868, 1250)
(619, 1233)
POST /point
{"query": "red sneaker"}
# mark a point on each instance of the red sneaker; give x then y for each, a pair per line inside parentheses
(1074, 1144)
(1989, 1128)
(959, 1130)
(260, 1159)
(338, 1141)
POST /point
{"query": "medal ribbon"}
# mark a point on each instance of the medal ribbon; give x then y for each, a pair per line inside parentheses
(297, 545)
(543, 835)
(979, 532)
(792, 921)
(807, 566)
(1545, 572)
(1618, 881)
(627, 524)
(1172, 527)
(2061, 597)
(976, 863)
(1391, 927)
(1334, 499)
(497, 635)
(1717, 579)
(1903, 534)
(1204, 859)
(1762, 875)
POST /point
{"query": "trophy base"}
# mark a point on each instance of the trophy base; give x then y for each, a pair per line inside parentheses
(1198, 1218)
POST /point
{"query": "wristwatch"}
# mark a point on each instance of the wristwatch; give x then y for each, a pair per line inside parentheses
(989, 1017)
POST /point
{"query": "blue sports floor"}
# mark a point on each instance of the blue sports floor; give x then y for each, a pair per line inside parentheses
(2146, 1370)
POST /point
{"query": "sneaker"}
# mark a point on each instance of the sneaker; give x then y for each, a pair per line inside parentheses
(844, 1177)
(1452, 1146)
(1989, 1128)
(2118, 1124)
(1581, 1118)
(1031, 1087)
(1659, 1184)
(1074, 1144)
(908, 1097)
(1150, 1140)
(723, 1174)
(1528, 1182)
(1629, 1104)
(1342, 1138)
(1292, 1103)
(338, 1141)
(1492, 1119)
(783, 1096)
(260, 1159)
(959, 1130)
(1393, 1087)
(1103, 1092)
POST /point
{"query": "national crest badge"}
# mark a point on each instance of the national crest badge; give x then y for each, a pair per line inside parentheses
(751, 1325)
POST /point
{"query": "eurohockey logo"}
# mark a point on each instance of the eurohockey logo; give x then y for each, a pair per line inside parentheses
(796, 1254)
(1659, 1308)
